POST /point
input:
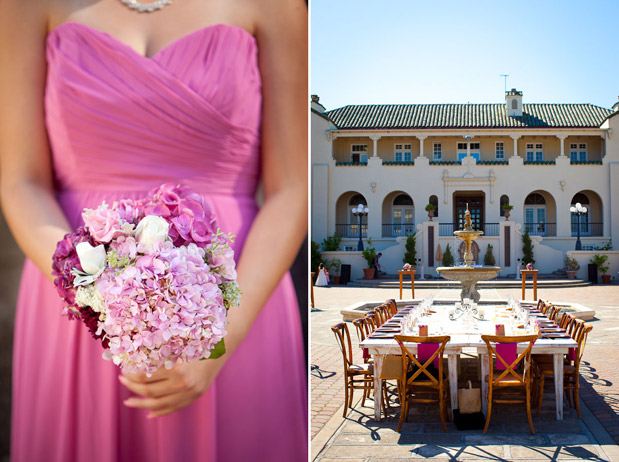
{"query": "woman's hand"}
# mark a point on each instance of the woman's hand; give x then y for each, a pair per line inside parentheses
(167, 391)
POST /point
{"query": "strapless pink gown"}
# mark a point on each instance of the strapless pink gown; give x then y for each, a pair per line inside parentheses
(120, 124)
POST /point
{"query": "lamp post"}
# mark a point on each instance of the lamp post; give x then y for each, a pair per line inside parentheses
(360, 211)
(578, 210)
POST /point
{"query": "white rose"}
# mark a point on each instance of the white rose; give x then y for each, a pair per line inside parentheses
(151, 229)
(91, 258)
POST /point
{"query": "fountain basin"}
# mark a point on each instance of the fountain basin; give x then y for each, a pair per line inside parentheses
(469, 276)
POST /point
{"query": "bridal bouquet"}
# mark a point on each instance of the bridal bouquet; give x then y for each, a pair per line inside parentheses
(151, 278)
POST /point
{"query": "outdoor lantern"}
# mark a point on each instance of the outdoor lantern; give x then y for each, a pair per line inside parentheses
(578, 210)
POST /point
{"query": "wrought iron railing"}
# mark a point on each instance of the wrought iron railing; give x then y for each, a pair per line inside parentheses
(541, 229)
(351, 230)
(398, 229)
(588, 229)
(489, 229)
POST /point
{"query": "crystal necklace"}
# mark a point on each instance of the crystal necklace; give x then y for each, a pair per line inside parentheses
(146, 7)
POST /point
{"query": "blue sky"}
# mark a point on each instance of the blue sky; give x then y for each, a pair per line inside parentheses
(439, 51)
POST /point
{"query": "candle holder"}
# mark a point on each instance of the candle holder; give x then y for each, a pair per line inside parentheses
(467, 307)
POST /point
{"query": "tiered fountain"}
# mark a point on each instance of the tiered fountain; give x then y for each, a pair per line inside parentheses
(468, 275)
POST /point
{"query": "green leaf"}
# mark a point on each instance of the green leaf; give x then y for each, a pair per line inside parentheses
(218, 350)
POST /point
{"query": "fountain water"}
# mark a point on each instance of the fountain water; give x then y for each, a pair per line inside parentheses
(468, 275)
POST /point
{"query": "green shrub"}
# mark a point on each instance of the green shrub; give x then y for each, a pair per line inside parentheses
(527, 248)
(332, 243)
(448, 258)
(600, 262)
(489, 257)
(410, 256)
(369, 253)
(315, 258)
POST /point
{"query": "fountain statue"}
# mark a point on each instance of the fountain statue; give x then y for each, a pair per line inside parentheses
(468, 275)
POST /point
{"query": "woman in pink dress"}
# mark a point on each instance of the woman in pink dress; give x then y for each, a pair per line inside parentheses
(103, 101)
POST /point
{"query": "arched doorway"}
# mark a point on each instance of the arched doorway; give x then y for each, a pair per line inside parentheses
(540, 214)
(347, 224)
(398, 214)
(591, 223)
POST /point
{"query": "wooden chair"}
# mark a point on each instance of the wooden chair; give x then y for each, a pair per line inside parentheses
(379, 319)
(393, 307)
(571, 370)
(356, 376)
(418, 381)
(372, 320)
(508, 381)
(553, 313)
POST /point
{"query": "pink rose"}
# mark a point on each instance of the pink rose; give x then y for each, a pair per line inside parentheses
(104, 224)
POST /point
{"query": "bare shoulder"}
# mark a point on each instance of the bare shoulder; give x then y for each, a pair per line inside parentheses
(280, 17)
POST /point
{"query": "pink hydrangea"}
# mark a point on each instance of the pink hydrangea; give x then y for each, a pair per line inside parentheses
(167, 308)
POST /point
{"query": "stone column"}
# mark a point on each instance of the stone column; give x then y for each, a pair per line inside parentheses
(375, 139)
(562, 141)
(421, 138)
(515, 138)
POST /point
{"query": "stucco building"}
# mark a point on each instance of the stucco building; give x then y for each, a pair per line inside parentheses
(395, 159)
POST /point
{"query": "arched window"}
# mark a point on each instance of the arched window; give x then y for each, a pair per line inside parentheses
(402, 214)
(434, 201)
(514, 104)
(585, 219)
(504, 200)
(535, 214)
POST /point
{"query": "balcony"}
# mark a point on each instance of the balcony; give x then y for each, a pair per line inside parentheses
(541, 229)
(348, 230)
(398, 229)
(588, 229)
(447, 229)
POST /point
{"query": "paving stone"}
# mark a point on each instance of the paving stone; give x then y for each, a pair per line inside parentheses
(385, 451)
(569, 439)
(526, 440)
(583, 452)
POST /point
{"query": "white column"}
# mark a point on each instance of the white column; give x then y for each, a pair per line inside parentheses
(421, 138)
(562, 140)
(375, 139)
(515, 138)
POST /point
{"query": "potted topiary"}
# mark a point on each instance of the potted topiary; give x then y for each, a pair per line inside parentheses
(571, 266)
(507, 210)
(410, 256)
(600, 261)
(333, 266)
(369, 253)
(489, 257)
(430, 208)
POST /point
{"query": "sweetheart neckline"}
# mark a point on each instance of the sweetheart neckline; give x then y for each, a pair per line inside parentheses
(56, 30)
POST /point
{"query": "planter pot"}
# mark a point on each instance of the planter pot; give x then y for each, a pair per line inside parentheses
(430, 214)
(368, 273)
(506, 213)
(605, 278)
(336, 280)
(571, 274)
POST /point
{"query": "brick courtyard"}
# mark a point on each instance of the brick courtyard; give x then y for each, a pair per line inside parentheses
(360, 438)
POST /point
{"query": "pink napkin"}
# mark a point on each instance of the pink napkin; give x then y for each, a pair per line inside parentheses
(507, 351)
(571, 354)
(425, 352)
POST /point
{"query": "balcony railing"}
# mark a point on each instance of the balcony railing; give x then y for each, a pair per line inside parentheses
(348, 230)
(541, 229)
(447, 229)
(588, 229)
(398, 229)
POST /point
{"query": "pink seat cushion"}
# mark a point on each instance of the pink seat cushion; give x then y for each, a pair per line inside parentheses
(571, 354)
(507, 351)
(425, 352)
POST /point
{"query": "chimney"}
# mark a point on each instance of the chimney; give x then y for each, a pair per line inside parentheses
(316, 106)
(513, 103)
(615, 107)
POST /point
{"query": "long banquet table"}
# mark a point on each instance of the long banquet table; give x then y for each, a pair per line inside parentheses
(386, 345)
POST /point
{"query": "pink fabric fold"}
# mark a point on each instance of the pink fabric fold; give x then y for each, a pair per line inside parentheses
(425, 352)
(571, 354)
(507, 351)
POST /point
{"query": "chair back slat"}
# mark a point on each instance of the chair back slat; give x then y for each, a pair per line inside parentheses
(581, 339)
(393, 307)
(363, 328)
(510, 369)
(554, 313)
(372, 321)
(342, 336)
